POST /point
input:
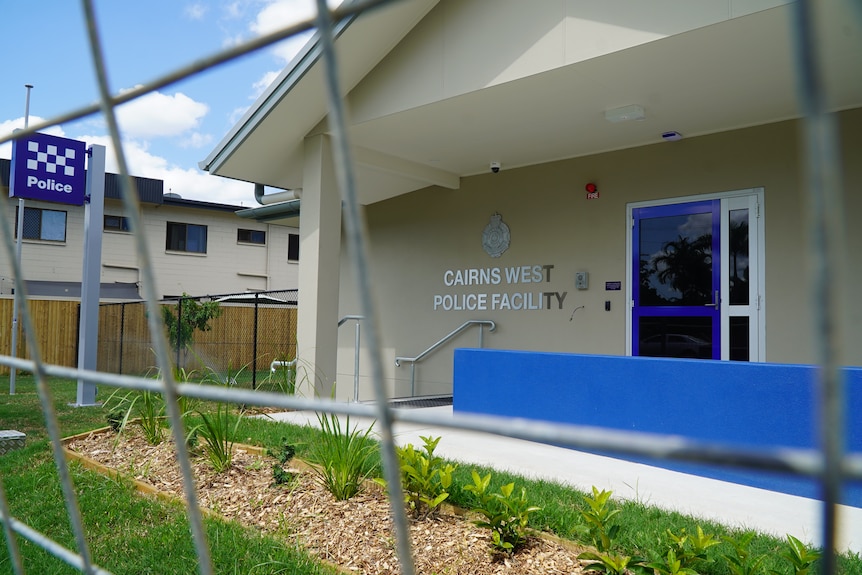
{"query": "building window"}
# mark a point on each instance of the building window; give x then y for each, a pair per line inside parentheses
(186, 238)
(251, 236)
(293, 247)
(116, 224)
(39, 224)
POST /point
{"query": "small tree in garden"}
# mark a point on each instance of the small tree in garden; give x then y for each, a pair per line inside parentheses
(190, 316)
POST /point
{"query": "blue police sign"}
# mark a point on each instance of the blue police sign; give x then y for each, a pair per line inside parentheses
(48, 168)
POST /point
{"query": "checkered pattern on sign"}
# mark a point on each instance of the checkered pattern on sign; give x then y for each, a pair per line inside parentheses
(51, 158)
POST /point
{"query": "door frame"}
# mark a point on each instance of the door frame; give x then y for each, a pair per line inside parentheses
(751, 198)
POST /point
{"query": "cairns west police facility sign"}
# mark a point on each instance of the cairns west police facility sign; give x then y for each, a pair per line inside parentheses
(48, 168)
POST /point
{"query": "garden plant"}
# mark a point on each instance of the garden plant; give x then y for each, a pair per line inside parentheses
(623, 536)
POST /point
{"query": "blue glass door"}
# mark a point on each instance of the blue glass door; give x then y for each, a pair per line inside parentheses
(676, 280)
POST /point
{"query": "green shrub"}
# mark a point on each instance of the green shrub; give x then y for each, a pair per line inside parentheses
(686, 552)
(506, 514)
(800, 556)
(613, 563)
(742, 561)
(598, 517)
(425, 478)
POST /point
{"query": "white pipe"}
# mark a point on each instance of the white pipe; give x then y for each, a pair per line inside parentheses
(278, 197)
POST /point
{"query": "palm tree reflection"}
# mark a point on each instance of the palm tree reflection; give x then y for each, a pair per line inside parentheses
(680, 274)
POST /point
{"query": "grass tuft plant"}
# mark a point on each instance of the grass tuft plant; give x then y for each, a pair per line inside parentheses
(218, 429)
(343, 457)
(283, 378)
(147, 408)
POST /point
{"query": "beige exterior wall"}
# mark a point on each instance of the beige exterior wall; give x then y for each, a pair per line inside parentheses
(466, 45)
(228, 266)
(416, 238)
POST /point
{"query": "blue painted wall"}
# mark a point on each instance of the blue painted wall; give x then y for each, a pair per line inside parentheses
(750, 405)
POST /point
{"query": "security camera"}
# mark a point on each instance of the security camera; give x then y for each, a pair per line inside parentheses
(495, 167)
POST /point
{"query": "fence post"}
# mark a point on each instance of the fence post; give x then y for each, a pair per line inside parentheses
(77, 330)
(254, 344)
(179, 337)
(122, 332)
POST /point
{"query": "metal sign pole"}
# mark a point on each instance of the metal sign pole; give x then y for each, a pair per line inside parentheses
(19, 234)
(88, 332)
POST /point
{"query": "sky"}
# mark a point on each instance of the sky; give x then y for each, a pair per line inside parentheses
(166, 133)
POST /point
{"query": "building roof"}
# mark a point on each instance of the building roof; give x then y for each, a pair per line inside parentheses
(718, 72)
(116, 290)
(150, 190)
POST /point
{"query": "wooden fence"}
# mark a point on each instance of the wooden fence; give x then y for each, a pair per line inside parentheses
(125, 345)
(56, 325)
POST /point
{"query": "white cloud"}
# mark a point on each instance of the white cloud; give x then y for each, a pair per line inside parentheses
(9, 126)
(158, 115)
(233, 10)
(196, 11)
(287, 49)
(237, 114)
(261, 85)
(280, 13)
(231, 41)
(276, 15)
(195, 185)
(196, 140)
(191, 184)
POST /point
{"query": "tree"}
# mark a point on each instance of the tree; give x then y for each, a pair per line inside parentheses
(191, 315)
(686, 266)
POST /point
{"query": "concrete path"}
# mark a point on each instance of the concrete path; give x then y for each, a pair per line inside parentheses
(727, 503)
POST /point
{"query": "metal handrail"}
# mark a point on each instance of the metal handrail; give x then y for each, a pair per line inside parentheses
(414, 360)
(357, 318)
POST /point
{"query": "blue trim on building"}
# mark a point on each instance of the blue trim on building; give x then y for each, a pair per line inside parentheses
(753, 406)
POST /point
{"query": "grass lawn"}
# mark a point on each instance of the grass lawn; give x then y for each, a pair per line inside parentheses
(127, 533)
(132, 534)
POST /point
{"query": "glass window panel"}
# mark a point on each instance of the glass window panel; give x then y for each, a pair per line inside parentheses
(32, 223)
(54, 225)
(176, 238)
(186, 238)
(676, 337)
(293, 248)
(116, 223)
(739, 340)
(251, 236)
(738, 257)
(196, 238)
(676, 260)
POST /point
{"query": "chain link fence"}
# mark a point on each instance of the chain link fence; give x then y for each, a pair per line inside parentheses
(830, 465)
(247, 333)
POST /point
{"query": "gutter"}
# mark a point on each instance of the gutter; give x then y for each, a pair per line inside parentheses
(267, 199)
(271, 212)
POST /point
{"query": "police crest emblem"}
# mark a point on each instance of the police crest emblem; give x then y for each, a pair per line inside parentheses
(495, 238)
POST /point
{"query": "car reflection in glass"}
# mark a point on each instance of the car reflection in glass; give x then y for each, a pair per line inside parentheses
(676, 345)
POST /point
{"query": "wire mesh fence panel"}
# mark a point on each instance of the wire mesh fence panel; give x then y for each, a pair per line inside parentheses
(252, 330)
(246, 333)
